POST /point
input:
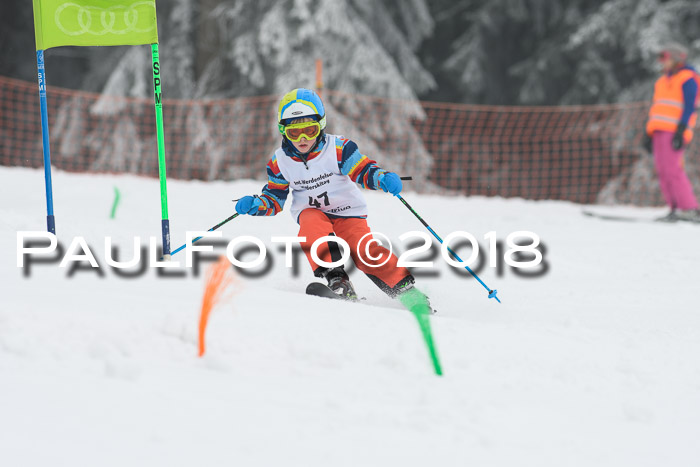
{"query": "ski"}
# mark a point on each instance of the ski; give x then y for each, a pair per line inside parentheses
(317, 289)
(321, 290)
(618, 218)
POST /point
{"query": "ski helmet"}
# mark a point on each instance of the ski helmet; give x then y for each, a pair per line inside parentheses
(300, 103)
(677, 52)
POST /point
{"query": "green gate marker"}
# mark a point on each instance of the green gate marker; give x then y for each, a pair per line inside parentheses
(165, 222)
(59, 23)
(117, 196)
(417, 304)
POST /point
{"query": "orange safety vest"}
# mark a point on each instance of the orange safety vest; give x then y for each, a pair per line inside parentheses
(667, 107)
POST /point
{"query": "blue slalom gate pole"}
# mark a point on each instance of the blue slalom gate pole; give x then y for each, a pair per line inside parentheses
(492, 293)
(46, 143)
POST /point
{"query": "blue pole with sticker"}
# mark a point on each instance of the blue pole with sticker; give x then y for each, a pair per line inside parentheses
(492, 293)
(210, 230)
(46, 143)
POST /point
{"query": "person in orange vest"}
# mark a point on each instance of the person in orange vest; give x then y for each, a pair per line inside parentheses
(669, 129)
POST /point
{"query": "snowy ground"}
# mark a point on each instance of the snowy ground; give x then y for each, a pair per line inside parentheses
(594, 363)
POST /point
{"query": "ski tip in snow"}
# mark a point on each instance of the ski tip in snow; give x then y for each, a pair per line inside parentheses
(321, 290)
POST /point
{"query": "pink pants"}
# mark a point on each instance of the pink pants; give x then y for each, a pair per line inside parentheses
(675, 185)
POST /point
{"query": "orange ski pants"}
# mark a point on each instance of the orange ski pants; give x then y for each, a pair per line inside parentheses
(314, 224)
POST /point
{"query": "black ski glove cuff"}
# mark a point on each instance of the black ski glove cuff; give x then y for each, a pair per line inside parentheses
(677, 141)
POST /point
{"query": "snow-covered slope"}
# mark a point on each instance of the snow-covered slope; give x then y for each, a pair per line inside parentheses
(594, 363)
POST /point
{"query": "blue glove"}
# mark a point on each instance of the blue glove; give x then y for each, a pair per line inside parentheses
(390, 182)
(248, 205)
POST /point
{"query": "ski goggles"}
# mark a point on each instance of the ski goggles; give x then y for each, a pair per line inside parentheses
(295, 131)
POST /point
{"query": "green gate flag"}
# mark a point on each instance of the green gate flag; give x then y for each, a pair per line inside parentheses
(94, 22)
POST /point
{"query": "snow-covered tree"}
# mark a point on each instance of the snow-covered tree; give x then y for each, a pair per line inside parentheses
(266, 47)
(539, 52)
(621, 42)
(506, 52)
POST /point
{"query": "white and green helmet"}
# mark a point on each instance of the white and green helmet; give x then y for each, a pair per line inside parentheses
(300, 103)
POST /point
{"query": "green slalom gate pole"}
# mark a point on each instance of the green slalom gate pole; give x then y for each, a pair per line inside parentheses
(165, 222)
(424, 323)
(115, 203)
(416, 303)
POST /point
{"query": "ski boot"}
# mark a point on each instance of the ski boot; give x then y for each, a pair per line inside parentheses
(339, 283)
(670, 217)
(689, 215)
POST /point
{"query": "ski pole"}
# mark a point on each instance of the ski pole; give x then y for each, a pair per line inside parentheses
(213, 228)
(492, 293)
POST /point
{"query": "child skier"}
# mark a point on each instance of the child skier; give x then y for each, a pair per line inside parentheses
(323, 172)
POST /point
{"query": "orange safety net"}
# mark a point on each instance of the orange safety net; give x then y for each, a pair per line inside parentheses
(585, 154)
